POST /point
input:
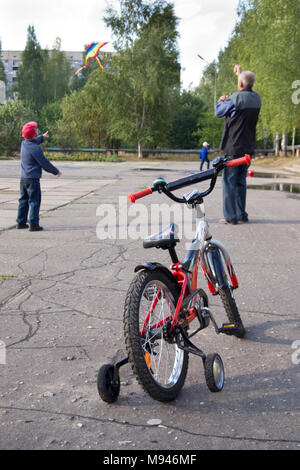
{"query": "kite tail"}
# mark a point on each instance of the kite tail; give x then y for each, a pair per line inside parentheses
(77, 71)
(98, 60)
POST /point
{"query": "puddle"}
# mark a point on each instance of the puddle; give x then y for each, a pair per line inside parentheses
(287, 187)
(154, 169)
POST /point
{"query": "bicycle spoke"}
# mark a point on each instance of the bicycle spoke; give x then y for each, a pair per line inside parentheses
(159, 305)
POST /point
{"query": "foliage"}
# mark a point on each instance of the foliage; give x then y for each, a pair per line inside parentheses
(136, 101)
(49, 115)
(2, 70)
(83, 120)
(210, 129)
(43, 77)
(30, 76)
(57, 72)
(266, 40)
(183, 133)
(145, 75)
(13, 114)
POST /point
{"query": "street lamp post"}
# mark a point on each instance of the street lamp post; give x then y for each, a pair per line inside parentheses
(215, 69)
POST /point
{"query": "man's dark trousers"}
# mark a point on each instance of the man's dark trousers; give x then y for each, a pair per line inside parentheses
(30, 198)
(234, 193)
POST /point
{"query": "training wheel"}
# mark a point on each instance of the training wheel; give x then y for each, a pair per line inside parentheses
(108, 383)
(214, 372)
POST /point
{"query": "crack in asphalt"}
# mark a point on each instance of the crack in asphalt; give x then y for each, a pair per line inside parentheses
(167, 426)
(25, 289)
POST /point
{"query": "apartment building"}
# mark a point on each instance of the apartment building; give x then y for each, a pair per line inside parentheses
(13, 59)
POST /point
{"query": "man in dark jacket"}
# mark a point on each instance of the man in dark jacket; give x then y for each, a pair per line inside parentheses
(241, 111)
(33, 161)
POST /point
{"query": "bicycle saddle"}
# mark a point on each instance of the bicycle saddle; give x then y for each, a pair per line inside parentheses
(165, 239)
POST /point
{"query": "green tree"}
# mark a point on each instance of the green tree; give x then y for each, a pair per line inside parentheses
(30, 75)
(2, 69)
(185, 125)
(57, 73)
(145, 75)
(13, 115)
(83, 116)
(48, 117)
(266, 40)
(209, 127)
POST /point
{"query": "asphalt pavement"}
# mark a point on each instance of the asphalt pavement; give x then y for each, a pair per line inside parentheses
(61, 315)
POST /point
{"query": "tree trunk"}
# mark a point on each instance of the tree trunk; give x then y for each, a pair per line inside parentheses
(284, 143)
(140, 153)
(293, 141)
(277, 145)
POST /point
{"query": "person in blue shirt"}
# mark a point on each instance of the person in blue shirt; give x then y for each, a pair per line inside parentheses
(33, 161)
(204, 155)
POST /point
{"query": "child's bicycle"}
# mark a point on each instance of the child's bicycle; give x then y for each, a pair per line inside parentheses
(161, 303)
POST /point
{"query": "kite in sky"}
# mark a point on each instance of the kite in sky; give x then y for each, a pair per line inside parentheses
(91, 53)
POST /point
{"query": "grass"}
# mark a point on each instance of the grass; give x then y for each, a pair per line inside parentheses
(268, 161)
(92, 157)
(7, 277)
(275, 162)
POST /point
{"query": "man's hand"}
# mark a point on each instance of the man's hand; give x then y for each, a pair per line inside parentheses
(46, 135)
(59, 173)
(222, 98)
(237, 69)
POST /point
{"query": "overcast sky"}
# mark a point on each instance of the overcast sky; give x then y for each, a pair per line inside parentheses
(205, 27)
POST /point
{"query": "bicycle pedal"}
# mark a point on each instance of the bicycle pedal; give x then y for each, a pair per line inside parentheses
(229, 328)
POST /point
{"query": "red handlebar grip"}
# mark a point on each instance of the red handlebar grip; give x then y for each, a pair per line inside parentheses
(239, 161)
(134, 196)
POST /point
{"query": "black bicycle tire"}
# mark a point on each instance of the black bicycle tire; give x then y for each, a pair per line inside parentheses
(209, 372)
(232, 309)
(133, 339)
(109, 393)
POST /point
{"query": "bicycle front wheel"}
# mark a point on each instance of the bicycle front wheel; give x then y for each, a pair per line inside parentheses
(158, 363)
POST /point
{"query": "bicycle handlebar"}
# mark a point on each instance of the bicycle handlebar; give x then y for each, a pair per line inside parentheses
(239, 161)
(134, 196)
(219, 164)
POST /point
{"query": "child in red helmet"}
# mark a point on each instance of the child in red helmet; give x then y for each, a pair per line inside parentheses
(33, 161)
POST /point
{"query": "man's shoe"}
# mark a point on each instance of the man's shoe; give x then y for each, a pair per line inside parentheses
(224, 221)
(243, 221)
(20, 226)
(35, 228)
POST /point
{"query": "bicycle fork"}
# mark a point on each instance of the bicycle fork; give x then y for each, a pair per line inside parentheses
(213, 268)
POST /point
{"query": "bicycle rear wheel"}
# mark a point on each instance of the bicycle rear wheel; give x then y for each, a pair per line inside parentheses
(158, 363)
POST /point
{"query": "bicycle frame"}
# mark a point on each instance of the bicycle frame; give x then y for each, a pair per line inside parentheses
(199, 253)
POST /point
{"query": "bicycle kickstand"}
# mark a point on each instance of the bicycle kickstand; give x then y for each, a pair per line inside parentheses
(188, 345)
